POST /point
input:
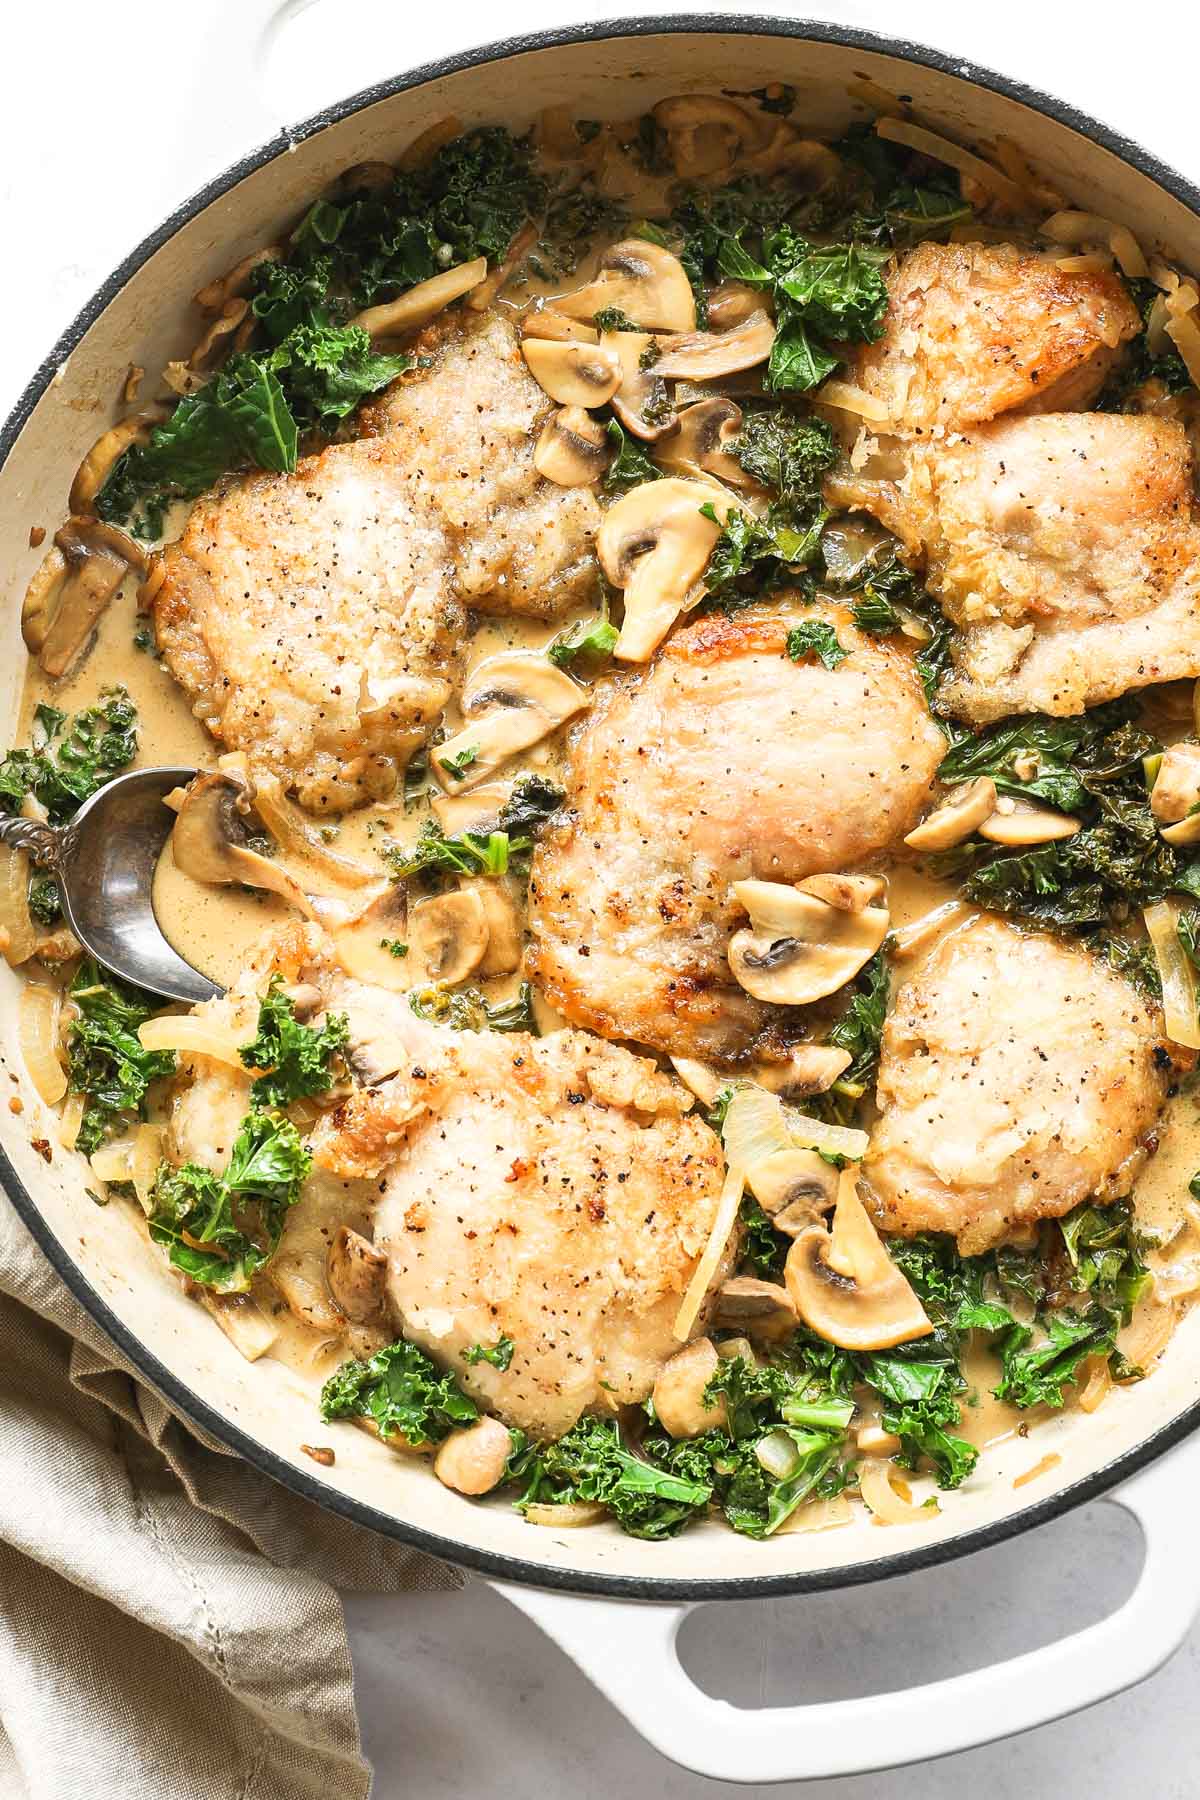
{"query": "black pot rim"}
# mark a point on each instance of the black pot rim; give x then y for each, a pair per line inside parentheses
(529, 1571)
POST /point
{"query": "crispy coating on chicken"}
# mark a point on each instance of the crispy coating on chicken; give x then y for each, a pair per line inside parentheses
(723, 760)
(314, 619)
(1019, 1076)
(556, 1191)
(974, 330)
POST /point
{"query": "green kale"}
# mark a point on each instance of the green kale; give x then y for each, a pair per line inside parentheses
(220, 1230)
(860, 1029)
(920, 1399)
(815, 637)
(590, 1463)
(1035, 1374)
(819, 292)
(296, 1057)
(611, 318)
(471, 853)
(105, 1058)
(631, 465)
(465, 1009)
(532, 802)
(456, 766)
(1101, 1243)
(1138, 363)
(763, 1248)
(62, 772)
(45, 900)
(586, 637)
(786, 453)
(753, 553)
(498, 1354)
(402, 1393)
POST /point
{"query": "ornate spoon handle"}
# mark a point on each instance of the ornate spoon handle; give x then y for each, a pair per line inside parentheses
(40, 841)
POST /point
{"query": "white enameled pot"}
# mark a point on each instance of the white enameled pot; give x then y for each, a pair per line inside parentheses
(613, 1603)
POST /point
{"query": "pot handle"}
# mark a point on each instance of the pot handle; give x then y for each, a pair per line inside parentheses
(628, 1649)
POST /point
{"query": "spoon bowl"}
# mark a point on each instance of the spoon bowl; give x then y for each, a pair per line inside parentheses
(104, 863)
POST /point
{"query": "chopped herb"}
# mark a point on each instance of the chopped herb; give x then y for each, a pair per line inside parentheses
(586, 637)
(220, 1230)
(402, 1392)
(456, 766)
(498, 1354)
(393, 946)
(296, 1057)
(471, 853)
(815, 637)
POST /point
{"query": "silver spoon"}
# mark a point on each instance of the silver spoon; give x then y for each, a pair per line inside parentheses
(104, 863)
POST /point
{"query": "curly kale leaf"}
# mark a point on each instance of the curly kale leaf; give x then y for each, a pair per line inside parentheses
(220, 1230)
(816, 637)
(62, 771)
(402, 1392)
(533, 801)
(786, 453)
(630, 465)
(470, 853)
(590, 1463)
(465, 1009)
(105, 1058)
(1035, 1374)
(296, 1057)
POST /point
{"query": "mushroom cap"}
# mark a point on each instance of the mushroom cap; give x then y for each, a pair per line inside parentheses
(509, 702)
(208, 841)
(572, 449)
(846, 1287)
(655, 543)
(1020, 823)
(447, 936)
(644, 280)
(572, 373)
(962, 812)
(795, 1187)
(763, 1308)
(640, 385)
(799, 948)
(361, 945)
(698, 446)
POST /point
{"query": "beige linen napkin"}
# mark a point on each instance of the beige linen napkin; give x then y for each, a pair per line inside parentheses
(168, 1627)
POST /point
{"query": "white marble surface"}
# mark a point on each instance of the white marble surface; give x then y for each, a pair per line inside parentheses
(461, 1697)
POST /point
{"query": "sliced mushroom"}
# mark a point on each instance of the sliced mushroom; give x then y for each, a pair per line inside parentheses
(810, 1069)
(225, 325)
(557, 328)
(679, 1402)
(704, 355)
(504, 943)
(366, 177)
(572, 450)
(208, 842)
(795, 1187)
(1020, 823)
(846, 1287)
(644, 281)
(78, 577)
(641, 402)
(761, 1308)
(509, 702)
(447, 937)
(356, 1273)
(301, 1281)
(963, 811)
(486, 292)
(732, 304)
(707, 134)
(573, 373)
(478, 810)
(698, 447)
(423, 302)
(472, 1461)
(1175, 796)
(655, 543)
(213, 296)
(799, 948)
(365, 946)
(849, 893)
(242, 1320)
(112, 444)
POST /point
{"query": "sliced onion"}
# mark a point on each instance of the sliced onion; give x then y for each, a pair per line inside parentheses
(1043, 1467)
(111, 1161)
(849, 548)
(903, 131)
(1098, 1384)
(423, 302)
(192, 1036)
(777, 1454)
(570, 1513)
(288, 826)
(1184, 333)
(888, 1496)
(724, 1221)
(1077, 228)
(1177, 1279)
(849, 398)
(909, 940)
(818, 1515)
(1088, 262)
(758, 1125)
(1148, 1333)
(38, 1013)
(71, 1120)
(1175, 972)
(18, 933)
(144, 1161)
(242, 1320)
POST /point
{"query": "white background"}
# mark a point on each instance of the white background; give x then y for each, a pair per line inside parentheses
(111, 114)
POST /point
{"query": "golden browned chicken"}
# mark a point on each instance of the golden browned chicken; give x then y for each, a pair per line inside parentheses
(974, 330)
(1019, 1076)
(314, 618)
(724, 760)
(1066, 548)
(554, 1191)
